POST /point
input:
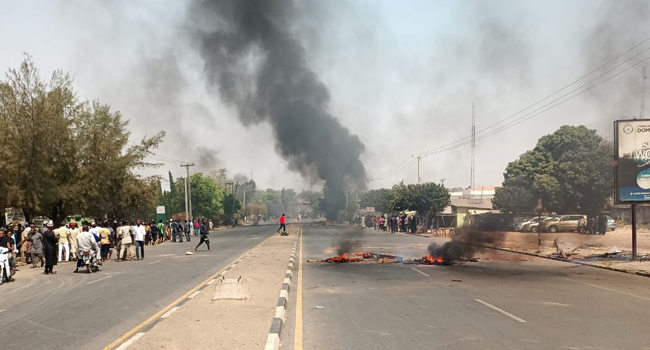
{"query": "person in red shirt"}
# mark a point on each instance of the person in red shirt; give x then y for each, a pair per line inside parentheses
(282, 225)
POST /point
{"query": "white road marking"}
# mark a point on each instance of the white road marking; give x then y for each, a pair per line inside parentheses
(501, 311)
(3, 310)
(233, 265)
(211, 281)
(168, 313)
(418, 271)
(101, 279)
(157, 261)
(128, 343)
(194, 294)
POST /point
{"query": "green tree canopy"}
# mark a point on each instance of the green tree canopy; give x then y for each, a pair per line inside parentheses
(60, 156)
(427, 198)
(569, 170)
(381, 200)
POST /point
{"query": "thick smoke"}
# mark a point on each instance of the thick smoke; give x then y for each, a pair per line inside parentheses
(258, 66)
(350, 242)
(617, 27)
(465, 244)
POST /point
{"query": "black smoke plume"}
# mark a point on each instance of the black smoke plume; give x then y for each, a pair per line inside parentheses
(350, 242)
(465, 244)
(258, 65)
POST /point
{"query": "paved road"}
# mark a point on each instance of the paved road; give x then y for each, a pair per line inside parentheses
(89, 311)
(532, 304)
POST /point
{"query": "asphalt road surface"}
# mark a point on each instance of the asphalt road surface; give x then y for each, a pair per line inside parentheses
(509, 302)
(89, 311)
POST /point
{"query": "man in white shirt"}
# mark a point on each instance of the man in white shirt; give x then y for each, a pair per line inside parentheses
(140, 233)
(85, 242)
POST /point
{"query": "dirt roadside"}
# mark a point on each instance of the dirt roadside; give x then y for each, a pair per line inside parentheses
(202, 323)
(583, 249)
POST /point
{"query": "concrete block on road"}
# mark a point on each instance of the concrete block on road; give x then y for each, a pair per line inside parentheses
(231, 289)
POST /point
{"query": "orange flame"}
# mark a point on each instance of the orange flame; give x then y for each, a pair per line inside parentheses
(342, 258)
(433, 259)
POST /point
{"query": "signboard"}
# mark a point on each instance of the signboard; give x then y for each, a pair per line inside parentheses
(632, 160)
(160, 209)
(370, 208)
(14, 216)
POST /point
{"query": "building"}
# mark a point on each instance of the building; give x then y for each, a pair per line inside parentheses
(471, 201)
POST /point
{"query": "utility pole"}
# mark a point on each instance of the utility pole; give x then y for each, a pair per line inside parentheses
(473, 171)
(188, 192)
(418, 158)
(234, 198)
(186, 210)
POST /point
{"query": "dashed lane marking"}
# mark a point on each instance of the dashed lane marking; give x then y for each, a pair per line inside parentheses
(101, 279)
(418, 271)
(501, 311)
(154, 262)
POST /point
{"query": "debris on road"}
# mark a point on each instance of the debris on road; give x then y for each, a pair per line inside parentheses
(320, 307)
(189, 253)
(456, 280)
(361, 257)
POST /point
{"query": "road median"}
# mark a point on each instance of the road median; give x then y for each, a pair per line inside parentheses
(204, 323)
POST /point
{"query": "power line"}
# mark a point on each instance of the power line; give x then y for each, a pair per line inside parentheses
(464, 141)
(547, 97)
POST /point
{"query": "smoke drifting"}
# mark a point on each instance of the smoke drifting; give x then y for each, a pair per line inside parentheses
(350, 242)
(259, 67)
(465, 244)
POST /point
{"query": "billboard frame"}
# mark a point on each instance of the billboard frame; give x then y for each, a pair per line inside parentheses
(617, 188)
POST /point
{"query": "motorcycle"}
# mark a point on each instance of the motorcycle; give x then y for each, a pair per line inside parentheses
(5, 270)
(89, 261)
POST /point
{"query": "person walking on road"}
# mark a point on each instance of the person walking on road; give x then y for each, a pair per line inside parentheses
(139, 234)
(126, 242)
(50, 247)
(197, 227)
(74, 232)
(188, 229)
(63, 234)
(37, 247)
(282, 224)
(205, 231)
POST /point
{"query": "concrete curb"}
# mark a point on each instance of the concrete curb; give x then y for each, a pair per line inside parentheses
(273, 339)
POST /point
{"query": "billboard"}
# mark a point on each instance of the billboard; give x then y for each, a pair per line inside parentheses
(632, 160)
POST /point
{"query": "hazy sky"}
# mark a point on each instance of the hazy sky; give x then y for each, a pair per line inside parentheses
(402, 76)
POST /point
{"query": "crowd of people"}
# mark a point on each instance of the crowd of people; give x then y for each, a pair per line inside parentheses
(386, 222)
(22, 246)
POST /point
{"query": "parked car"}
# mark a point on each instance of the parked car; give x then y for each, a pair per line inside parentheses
(544, 224)
(611, 223)
(525, 225)
(566, 223)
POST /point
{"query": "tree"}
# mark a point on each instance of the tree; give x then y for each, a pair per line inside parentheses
(381, 200)
(230, 205)
(569, 170)
(427, 198)
(514, 200)
(207, 199)
(61, 156)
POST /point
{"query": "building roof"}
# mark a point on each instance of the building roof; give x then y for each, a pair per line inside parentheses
(474, 203)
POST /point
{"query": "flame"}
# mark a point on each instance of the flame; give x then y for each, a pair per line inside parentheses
(342, 258)
(433, 259)
(364, 255)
